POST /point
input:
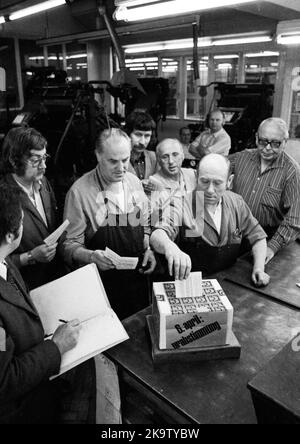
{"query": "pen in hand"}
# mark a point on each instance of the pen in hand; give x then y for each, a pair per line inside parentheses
(51, 334)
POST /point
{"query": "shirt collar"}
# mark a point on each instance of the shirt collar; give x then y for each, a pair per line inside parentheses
(3, 270)
(279, 162)
(36, 186)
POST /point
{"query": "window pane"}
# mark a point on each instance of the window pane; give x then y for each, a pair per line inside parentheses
(76, 62)
(8, 62)
(170, 71)
(261, 69)
(226, 68)
(196, 105)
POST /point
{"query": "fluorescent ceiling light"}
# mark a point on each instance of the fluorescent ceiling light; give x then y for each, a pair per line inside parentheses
(134, 2)
(253, 66)
(36, 8)
(263, 54)
(292, 39)
(77, 56)
(168, 8)
(2, 19)
(202, 43)
(224, 66)
(145, 59)
(168, 44)
(226, 56)
(242, 40)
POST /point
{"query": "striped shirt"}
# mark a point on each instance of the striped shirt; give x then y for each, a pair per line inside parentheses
(273, 196)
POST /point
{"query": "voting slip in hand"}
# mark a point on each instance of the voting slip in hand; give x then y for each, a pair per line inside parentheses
(53, 237)
(121, 262)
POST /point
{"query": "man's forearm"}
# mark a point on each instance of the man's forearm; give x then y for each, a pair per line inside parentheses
(160, 241)
(82, 255)
(259, 251)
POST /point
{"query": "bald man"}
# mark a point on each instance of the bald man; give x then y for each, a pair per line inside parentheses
(268, 179)
(171, 176)
(214, 139)
(209, 226)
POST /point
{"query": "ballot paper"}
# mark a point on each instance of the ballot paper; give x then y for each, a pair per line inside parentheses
(79, 295)
(53, 237)
(121, 262)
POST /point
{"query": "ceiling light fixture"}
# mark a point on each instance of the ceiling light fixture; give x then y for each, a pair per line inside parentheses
(168, 44)
(242, 40)
(168, 8)
(288, 39)
(2, 20)
(263, 54)
(202, 43)
(36, 8)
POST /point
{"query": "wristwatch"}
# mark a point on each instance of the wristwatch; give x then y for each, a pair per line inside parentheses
(30, 259)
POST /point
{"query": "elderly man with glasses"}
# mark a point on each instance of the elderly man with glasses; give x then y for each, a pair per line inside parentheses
(268, 179)
(23, 165)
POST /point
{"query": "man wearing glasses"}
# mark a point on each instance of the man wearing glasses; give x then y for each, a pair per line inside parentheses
(23, 164)
(268, 179)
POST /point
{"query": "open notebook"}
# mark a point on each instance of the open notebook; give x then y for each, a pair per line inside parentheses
(80, 295)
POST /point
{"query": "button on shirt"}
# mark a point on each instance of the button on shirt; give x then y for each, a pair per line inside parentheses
(272, 195)
(218, 143)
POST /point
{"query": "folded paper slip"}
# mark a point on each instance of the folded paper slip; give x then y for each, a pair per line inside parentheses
(53, 237)
(80, 295)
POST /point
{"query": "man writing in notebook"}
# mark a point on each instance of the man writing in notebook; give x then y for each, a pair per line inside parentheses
(26, 359)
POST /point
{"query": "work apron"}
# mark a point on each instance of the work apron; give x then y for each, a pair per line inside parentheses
(127, 290)
(205, 257)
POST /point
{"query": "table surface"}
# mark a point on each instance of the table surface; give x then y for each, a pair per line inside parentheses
(284, 270)
(213, 391)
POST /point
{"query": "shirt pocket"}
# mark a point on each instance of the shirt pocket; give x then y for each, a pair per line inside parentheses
(271, 197)
(236, 237)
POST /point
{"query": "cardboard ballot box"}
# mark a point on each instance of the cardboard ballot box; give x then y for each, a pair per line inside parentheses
(201, 319)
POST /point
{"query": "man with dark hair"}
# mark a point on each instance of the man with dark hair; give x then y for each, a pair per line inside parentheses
(139, 127)
(107, 208)
(23, 165)
(214, 139)
(26, 359)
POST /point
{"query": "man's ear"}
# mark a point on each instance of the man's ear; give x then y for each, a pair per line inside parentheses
(230, 182)
(98, 156)
(9, 238)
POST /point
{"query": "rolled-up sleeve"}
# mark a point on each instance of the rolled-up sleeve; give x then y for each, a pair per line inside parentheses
(249, 226)
(75, 235)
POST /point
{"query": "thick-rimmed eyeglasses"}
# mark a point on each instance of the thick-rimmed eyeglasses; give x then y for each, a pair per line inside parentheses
(37, 161)
(274, 144)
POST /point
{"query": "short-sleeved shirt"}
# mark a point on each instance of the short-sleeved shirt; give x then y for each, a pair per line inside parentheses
(218, 143)
(87, 206)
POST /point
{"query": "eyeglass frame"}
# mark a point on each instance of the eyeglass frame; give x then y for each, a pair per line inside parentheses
(269, 142)
(37, 163)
